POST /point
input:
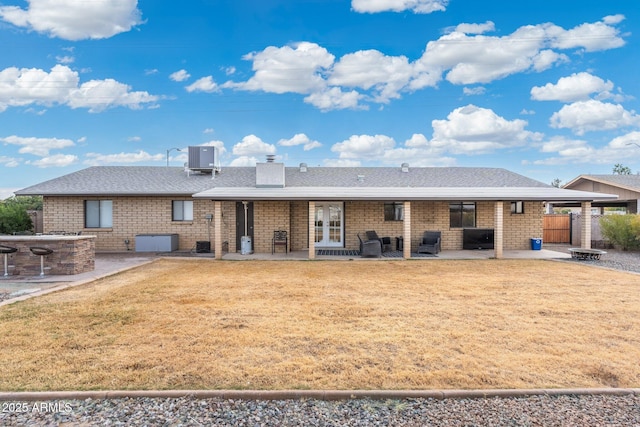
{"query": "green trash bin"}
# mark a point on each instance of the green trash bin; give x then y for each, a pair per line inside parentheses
(536, 244)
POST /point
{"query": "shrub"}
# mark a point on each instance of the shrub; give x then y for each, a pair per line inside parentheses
(622, 230)
(14, 218)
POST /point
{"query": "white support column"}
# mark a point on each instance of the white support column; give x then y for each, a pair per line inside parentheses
(406, 232)
(312, 230)
(585, 241)
(217, 218)
(498, 221)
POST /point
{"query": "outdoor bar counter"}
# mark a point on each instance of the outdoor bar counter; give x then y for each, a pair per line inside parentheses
(71, 254)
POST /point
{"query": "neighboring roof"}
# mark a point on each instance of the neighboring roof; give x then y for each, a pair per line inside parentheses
(628, 182)
(321, 183)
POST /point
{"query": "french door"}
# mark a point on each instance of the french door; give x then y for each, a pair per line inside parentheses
(329, 224)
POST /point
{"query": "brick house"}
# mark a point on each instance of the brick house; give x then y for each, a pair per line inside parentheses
(319, 207)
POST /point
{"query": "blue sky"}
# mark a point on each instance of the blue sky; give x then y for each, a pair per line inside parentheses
(548, 89)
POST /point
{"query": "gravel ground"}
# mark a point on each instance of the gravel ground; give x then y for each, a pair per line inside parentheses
(522, 411)
(542, 410)
(617, 260)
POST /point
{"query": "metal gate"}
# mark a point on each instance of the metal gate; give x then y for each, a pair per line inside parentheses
(557, 228)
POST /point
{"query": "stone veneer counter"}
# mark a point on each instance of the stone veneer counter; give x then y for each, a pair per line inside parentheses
(71, 254)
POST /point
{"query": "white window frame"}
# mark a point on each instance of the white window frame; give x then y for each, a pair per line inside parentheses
(98, 213)
(182, 210)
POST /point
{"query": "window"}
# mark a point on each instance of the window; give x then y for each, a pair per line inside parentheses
(394, 211)
(182, 210)
(517, 207)
(462, 214)
(98, 213)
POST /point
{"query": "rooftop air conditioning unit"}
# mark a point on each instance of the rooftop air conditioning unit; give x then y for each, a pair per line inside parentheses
(201, 158)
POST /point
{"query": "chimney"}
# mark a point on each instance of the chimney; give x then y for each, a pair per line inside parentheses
(270, 174)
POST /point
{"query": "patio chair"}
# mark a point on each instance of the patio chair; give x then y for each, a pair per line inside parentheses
(280, 239)
(430, 242)
(370, 248)
(385, 242)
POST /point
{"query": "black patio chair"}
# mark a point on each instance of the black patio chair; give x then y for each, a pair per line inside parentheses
(385, 242)
(430, 242)
(370, 248)
(280, 239)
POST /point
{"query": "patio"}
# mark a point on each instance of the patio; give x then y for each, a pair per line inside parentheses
(552, 252)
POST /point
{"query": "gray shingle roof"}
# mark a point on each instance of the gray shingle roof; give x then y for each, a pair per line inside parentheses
(349, 183)
(631, 182)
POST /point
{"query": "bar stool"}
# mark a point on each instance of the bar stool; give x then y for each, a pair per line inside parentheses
(42, 252)
(6, 250)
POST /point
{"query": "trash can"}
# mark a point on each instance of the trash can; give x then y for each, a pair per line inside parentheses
(536, 244)
(399, 243)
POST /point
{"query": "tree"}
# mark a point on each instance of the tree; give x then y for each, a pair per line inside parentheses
(556, 182)
(13, 213)
(619, 169)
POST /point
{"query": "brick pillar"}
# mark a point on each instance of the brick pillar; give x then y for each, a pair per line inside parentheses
(498, 229)
(217, 239)
(406, 233)
(585, 242)
(312, 230)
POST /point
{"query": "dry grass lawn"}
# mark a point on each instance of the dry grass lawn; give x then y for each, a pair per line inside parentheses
(203, 324)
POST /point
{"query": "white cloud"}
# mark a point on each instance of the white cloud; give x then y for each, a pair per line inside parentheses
(180, 76)
(471, 91)
(26, 86)
(466, 56)
(55, 161)
(363, 147)
(204, 84)
(134, 139)
(368, 69)
(5, 192)
(591, 37)
(297, 68)
(416, 6)
(99, 95)
(9, 162)
(474, 130)
(577, 87)
(251, 145)
(476, 28)
(97, 159)
(571, 151)
(75, 20)
(65, 59)
(244, 161)
(218, 144)
(417, 140)
(592, 115)
(300, 139)
(37, 146)
(334, 99)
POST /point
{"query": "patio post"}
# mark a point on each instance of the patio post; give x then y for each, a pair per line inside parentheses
(585, 242)
(217, 239)
(312, 230)
(406, 249)
(498, 232)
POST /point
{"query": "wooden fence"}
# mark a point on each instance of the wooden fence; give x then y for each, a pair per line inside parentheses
(557, 228)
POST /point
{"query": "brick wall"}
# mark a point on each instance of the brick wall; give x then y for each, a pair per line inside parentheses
(269, 216)
(136, 215)
(144, 215)
(364, 216)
